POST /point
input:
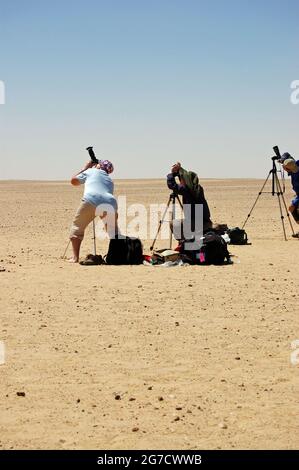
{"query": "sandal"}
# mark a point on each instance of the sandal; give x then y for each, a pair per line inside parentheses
(92, 260)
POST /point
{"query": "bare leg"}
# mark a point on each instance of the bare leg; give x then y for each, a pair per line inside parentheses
(76, 243)
(84, 215)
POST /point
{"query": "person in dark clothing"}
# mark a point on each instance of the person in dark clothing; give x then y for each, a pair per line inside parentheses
(193, 196)
(292, 167)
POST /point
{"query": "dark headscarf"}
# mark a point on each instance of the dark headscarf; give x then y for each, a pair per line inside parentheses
(192, 182)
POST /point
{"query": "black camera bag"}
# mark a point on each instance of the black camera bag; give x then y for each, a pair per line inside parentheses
(213, 250)
(237, 236)
(126, 250)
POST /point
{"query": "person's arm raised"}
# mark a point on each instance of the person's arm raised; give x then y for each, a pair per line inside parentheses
(74, 179)
(88, 164)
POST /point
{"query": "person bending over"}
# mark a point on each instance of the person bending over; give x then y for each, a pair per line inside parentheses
(292, 167)
(193, 194)
(98, 199)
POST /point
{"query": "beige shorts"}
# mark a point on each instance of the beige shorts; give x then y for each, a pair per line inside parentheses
(85, 214)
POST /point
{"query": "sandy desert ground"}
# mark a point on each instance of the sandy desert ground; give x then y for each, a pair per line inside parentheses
(143, 357)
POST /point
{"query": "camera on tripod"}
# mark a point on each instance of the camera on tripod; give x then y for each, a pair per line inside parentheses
(277, 190)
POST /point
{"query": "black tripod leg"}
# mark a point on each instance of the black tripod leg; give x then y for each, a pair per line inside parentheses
(176, 197)
(255, 202)
(171, 224)
(160, 224)
(94, 238)
(285, 206)
(180, 203)
(282, 216)
(276, 182)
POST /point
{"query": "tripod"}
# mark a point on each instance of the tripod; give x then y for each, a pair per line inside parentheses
(93, 238)
(172, 198)
(276, 190)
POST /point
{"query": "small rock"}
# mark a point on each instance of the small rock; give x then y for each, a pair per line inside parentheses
(160, 398)
(135, 429)
(117, 397)
(21, 394)
(222, 425)
(177, 418)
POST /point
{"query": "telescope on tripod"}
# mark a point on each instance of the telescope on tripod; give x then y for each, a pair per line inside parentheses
(276, 191)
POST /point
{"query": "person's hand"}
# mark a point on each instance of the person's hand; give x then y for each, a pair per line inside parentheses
(176, 167)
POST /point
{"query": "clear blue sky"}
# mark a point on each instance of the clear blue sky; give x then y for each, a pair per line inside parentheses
(147, 82)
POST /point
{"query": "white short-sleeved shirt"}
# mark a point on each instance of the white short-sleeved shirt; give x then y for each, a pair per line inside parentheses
(99, 187)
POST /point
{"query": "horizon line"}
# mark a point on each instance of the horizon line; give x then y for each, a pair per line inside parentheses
(6, 180)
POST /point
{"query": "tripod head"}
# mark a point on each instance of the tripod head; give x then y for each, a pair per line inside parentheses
(274, 167)
(174, 194)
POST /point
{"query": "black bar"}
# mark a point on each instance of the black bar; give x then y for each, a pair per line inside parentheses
(143, 459)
